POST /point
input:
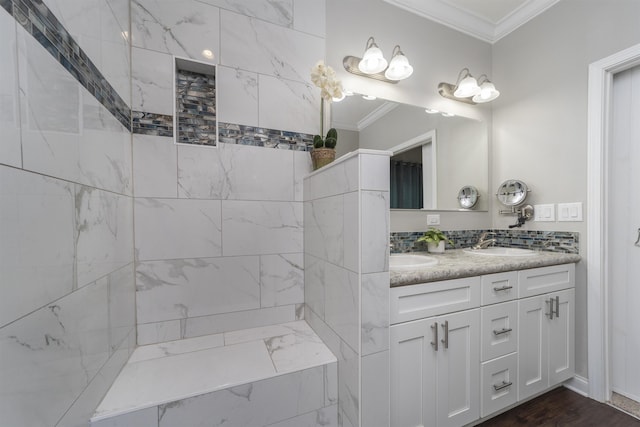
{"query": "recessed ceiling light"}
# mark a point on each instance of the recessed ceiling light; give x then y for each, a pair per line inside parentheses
(368, 97)
(431, 111)
(207, 54)
(448, 114)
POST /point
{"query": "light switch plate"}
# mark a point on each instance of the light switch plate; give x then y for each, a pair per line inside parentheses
(544, 213)
(433, 219)
(570, 211)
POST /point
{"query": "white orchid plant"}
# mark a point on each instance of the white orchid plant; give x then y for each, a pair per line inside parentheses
(324, 77)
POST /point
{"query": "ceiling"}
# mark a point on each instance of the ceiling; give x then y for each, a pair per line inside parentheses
(487, 20)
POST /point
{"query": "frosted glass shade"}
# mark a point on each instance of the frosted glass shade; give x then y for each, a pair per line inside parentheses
(373, 61)
(467, 87)
(488, 92)
(399, 68)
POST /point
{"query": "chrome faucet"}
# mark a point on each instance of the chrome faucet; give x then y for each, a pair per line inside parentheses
(482, 243)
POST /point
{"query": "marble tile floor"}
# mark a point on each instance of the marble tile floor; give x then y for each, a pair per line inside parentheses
(170, 371)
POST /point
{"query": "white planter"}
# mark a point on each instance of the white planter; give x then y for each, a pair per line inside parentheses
(436, 248)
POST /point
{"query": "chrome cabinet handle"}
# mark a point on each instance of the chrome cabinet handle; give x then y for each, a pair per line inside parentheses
(550, 313)
(557, 306)
(503, 385)
(434, 343)
(637, 243)
(445, 341)
(502, 288)
(502, 331)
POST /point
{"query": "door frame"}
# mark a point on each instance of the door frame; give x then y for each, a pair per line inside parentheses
(598, 139)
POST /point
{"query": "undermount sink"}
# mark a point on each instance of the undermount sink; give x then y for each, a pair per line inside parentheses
(496, 251)
(410, 262)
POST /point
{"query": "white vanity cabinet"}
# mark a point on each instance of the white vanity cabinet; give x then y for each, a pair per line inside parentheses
(547, 329)
(467, 348)
(435, 374)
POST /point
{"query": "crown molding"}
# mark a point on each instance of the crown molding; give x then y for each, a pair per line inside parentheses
(469, 23)
(376, 114)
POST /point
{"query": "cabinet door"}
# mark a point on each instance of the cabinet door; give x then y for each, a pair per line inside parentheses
(561, 338)
(413, 364)
(533, 373)
(458, 369)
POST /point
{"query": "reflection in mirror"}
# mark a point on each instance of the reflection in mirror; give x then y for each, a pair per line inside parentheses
(468, 197)
(459, 158)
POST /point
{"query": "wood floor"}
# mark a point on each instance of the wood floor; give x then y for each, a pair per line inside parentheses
(562, 407)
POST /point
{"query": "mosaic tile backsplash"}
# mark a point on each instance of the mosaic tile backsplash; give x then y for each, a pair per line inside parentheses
(196, 107)
(553, 241)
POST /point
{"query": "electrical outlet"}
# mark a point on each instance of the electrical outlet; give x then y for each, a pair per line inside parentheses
(433, 219)
(545, 213)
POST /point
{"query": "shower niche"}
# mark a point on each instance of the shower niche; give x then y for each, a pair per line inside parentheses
(195, 103)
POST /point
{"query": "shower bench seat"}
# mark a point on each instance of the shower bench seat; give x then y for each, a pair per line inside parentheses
(279, 375)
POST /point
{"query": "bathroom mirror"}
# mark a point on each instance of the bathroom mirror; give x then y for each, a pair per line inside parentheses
(454, 149)
(512, 192)
(468, 197)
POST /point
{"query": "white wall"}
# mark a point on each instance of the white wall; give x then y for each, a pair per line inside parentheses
(540, 119)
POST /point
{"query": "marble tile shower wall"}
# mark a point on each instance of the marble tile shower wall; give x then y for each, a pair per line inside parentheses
(67, 312)
(346, 215)
(264, 51)
(219, 231)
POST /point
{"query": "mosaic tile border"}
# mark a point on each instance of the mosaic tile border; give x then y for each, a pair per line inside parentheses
(552, 241)
(151, 124)
(229, 133)
(40, 22)
(261, 137)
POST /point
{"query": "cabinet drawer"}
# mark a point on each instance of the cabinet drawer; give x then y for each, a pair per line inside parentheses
(433, 299)
(499, 329)
(499, 287)
(499, 384)
(537, 281)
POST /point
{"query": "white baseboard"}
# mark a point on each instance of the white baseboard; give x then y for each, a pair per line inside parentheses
(578, 384)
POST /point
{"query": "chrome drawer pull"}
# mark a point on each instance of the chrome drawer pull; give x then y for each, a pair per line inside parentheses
(434, 343)
(502, 288)
(445, 341)
(501, 386)
(502, 331)
(550, 313)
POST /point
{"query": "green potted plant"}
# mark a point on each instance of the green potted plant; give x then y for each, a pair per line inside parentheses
(324, 149)
(435, 240)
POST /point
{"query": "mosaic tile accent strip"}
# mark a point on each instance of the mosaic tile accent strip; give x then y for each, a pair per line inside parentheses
(196, 107)
(553, 241)
(260, 137)
(40, 22)
(151, 124)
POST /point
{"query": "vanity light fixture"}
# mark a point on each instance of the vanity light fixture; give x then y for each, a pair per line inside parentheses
(373, 65)
(469, 90)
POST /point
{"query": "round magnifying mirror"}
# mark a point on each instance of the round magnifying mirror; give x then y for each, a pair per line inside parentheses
(468, 197)
(512, 192)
